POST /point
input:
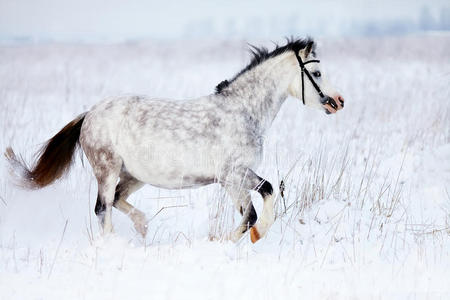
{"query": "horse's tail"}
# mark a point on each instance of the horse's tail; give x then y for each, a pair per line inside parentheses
(53, 159)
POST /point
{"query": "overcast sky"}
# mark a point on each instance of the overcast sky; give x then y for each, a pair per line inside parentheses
(138, 19)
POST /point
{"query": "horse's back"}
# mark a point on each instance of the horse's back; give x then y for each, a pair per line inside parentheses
(162, 142)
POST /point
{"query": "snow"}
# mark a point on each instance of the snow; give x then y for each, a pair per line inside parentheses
(367, 206)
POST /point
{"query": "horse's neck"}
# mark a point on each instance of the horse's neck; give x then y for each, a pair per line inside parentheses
(264, 88)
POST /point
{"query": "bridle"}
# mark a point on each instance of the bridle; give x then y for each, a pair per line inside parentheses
(324, 100)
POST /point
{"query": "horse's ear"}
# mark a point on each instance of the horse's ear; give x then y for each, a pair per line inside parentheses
(310, 46)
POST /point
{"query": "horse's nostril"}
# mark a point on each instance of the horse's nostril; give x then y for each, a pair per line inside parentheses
(341, 100)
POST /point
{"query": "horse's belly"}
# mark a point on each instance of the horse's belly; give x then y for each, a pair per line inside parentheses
(169, 168)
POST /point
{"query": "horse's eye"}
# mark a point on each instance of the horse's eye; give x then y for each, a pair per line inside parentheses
(317, 74)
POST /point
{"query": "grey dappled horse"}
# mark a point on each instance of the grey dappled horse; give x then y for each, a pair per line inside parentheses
(133, 140)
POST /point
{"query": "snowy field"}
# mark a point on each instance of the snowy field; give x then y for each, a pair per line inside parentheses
(366, 213)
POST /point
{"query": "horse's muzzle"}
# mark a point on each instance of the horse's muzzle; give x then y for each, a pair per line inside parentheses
(332, 104)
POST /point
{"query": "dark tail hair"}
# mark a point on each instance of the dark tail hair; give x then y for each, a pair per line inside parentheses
(53, 159)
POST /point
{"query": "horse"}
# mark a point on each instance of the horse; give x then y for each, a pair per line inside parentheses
(134, 140)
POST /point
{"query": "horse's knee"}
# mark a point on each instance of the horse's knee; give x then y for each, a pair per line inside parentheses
(265, 189)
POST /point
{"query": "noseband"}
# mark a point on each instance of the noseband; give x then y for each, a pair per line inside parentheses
(324, 100)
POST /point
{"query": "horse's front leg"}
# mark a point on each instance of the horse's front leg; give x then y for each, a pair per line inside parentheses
(267, 216)
(243, 181)
(243, 204)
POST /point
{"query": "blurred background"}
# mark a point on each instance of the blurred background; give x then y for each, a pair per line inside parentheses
(118, 20)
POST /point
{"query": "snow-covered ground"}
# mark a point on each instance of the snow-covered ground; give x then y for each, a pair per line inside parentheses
(366, 213)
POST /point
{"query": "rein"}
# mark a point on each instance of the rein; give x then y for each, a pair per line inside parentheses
(305, 71)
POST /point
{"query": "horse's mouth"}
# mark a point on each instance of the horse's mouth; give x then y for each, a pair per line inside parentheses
(330, 106)
(330, 109)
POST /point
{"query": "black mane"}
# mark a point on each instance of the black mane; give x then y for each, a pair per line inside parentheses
(262, 54)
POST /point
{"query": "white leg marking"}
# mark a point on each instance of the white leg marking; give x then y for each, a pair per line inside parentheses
(267, 217)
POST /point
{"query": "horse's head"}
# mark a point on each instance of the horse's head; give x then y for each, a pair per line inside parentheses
(310, 84)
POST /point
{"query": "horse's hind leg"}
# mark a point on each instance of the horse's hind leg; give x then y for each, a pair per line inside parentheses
(106, 166)
(128, 185)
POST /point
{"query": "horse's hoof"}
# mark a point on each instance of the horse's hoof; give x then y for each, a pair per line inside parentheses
(141, 228)
(236, 235)
(254, 235)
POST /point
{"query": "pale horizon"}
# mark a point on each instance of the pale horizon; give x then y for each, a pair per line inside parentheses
(101, 20)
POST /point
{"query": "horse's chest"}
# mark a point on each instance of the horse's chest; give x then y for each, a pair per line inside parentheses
(246, 146)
